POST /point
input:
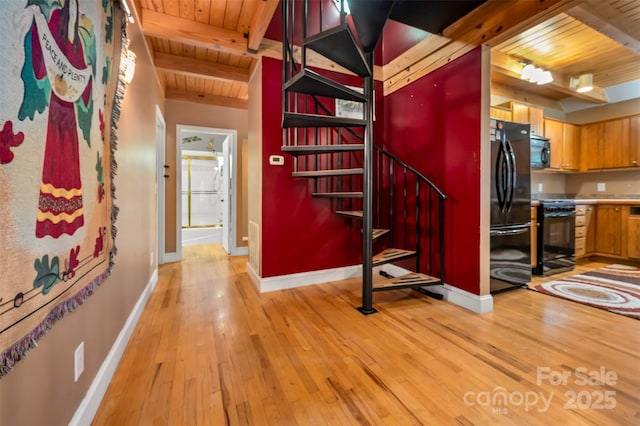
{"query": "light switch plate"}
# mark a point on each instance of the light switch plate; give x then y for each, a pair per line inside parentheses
(540, 187)
(602, 187)
(78, 357)
(276, 160)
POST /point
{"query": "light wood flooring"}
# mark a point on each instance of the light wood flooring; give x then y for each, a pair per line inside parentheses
(210, 350)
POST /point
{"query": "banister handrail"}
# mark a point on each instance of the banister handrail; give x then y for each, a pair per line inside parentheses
(408, 167)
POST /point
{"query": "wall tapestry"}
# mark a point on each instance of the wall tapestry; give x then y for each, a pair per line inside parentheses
(60, 94)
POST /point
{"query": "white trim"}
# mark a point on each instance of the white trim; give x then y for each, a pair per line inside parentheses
(478, 304)
(240, 251)
(91, 402)
(233, 148)
(283, 282)
(172, 257)
(160, 185)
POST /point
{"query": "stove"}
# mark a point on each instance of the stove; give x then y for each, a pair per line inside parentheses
(556, 237)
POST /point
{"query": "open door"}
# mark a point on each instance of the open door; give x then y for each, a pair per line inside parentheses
(227, 182)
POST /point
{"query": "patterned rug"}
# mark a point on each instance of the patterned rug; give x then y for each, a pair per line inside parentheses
(615, 288)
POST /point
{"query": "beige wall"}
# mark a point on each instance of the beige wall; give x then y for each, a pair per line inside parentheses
(192, 114)
(552, 183)
(41, 389)
(618, 183)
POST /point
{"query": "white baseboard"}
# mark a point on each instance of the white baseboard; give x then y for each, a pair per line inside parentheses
(478, 304)
(282, 282)
(172, 257)
(240, 251)
(91, 402)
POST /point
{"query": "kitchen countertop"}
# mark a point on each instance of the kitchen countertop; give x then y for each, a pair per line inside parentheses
(536, 202)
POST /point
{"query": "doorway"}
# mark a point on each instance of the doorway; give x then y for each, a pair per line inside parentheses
(206, 187)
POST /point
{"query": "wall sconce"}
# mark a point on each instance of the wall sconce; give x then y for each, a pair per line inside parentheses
(127, 11)
(129, 66)
(536, 75)
(582, 84)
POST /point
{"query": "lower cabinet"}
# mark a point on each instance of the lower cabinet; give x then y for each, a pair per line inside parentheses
(610, 230)
(585, 230)
(633, 232)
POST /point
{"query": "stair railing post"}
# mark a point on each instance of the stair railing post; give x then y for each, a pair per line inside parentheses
(367, 193)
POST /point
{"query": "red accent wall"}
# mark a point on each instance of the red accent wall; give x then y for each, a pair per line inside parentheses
(434, 125)
(299, 233)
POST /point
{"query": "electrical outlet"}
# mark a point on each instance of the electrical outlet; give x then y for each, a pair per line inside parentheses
(540, 187)
(78, 361)
(602, 187)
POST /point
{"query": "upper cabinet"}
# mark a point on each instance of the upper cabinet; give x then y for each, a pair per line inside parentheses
(565, 144)
(611, 144)
(500, 113)
(528, 114)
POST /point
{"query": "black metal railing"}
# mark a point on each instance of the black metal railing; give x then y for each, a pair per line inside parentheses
(412, 207)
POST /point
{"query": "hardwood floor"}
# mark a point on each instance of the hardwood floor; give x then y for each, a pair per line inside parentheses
(210, 350)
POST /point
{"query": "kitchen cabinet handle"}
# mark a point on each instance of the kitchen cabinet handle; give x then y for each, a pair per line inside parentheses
(617, 209)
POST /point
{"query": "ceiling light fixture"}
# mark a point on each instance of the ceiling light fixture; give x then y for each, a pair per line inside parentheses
(536, 75)
(582, 84)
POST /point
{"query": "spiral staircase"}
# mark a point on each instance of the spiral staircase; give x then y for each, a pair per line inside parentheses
(401, 211)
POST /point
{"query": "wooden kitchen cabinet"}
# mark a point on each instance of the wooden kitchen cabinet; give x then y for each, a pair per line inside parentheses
(585, 230)
(564, 141)
(610, 230)
(634, 141)
(633, 228)
(611, 144)
(527, 114)
(633, 232)
(500, 113)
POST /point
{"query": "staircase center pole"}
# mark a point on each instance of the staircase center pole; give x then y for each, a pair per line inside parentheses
(367, 191)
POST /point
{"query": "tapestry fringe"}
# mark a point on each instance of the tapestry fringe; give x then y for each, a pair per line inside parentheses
(18, 350)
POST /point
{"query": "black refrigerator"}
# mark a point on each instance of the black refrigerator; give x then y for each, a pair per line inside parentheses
(510, 259)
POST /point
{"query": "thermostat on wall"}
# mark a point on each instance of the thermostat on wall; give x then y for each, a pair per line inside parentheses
(276, 160)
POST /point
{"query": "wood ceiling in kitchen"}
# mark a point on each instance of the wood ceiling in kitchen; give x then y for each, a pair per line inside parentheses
(598, 37)
(205, 50)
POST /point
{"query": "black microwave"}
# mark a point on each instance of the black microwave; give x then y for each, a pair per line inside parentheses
(540, 153)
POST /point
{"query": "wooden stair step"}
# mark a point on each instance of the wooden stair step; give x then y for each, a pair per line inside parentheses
(311, 83)
(291, 119)
(377, 233)
(339, 45)
(325, 173)
(392, 255)
(322, 149)
(355, 214)
(405, 281)
(337, 194)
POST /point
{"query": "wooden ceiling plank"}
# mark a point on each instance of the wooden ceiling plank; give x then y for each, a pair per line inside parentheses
(497, 20)
(247, 13)
(170, 7)
(260, 22)
(187, 9)
(191, 32)
(509, 66)
(588, 17)
(202, 69)
(216, 14)
(203, 10)
(182, 95)
(232, 14)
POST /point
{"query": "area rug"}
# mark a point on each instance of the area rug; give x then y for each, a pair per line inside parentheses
(615, 288)
(60, 96)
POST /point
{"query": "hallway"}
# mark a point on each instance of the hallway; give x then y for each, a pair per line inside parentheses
(210, 350)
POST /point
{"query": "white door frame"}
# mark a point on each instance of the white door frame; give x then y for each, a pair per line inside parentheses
(161, 135)
(232, 136)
